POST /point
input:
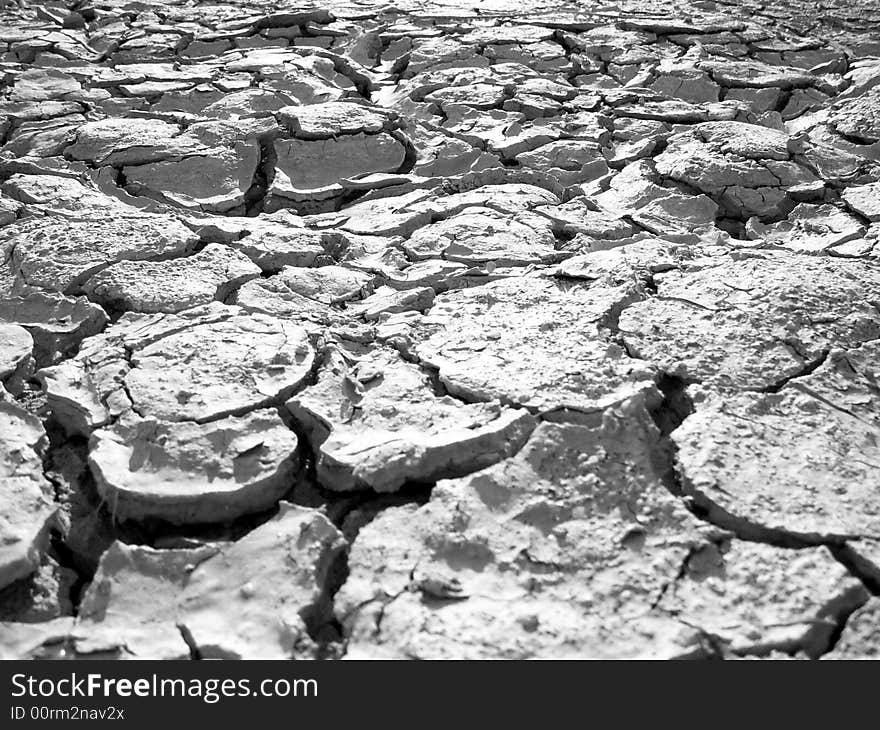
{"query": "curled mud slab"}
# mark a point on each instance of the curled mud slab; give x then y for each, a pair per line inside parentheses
(419, 331)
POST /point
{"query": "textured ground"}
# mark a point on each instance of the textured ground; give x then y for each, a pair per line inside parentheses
(440, 330)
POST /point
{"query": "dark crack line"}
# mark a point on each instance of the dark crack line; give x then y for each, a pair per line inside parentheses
(807, 368)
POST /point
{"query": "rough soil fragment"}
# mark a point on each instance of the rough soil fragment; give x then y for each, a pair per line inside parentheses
(260, 598)
(56, 192)
(56, 323)
(375, 422)
(864, 199)
(173, 285)
(743, 167)
(257, 598)
(128, 141)
(60, 254)
(309, 169)
(312, 297)
(750, 322)
(635, 192)
(331, 119)
(16, 363)
(387, 300)
(26, 509)
(275, 245)
(859, 639)
(637, 260)
(231, 365)
(857, 118)
(753, 74)
(201, 365)
(130, 608)
(797, 465)
(40, 596)
(477, 235)
(34, 641)
(757, 599)
(194, 473)
(217, 182)
(531, 342)
(810, 228)
(325, 285)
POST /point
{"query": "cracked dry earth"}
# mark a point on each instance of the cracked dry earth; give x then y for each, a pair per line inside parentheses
(440, 330)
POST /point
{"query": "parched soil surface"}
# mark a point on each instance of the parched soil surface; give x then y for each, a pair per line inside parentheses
(440, 329)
